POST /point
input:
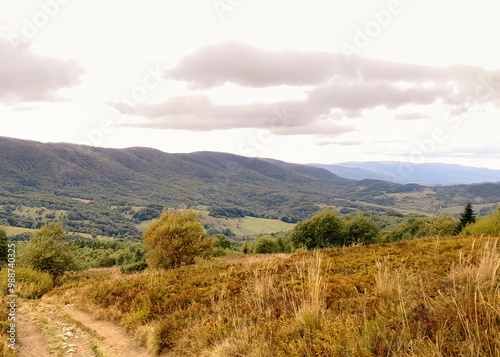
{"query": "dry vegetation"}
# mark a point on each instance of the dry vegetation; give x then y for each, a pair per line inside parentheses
(433, 297)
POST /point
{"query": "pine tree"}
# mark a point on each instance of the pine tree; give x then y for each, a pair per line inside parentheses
(467, 216)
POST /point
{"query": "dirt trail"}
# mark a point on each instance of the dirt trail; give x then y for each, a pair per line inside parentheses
(47, 330)
(116, 342)
(31, 342)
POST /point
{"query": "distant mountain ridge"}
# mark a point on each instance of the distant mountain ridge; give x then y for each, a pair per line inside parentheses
(430, 174)
(51, 173)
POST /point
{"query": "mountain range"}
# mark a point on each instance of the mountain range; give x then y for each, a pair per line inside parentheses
(52, 173)
(430, 174)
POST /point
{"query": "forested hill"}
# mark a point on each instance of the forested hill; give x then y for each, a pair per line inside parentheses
(267, 188)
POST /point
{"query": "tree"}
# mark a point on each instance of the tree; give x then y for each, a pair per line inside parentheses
(284, 244)
(266, 245)
(324, 230)
(222, 242)
(439, 226)
(467, 216)
(4, 242)
(47, 251)
(361, 229)
(175, 239)
(246, 249)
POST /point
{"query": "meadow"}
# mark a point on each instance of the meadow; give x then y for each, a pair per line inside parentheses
(430, 297)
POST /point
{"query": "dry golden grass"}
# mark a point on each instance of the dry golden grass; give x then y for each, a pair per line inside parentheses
(433, 297)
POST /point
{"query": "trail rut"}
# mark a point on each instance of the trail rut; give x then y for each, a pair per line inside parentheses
(46, 330)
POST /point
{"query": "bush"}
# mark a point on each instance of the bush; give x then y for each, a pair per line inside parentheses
(175, 239)
(47, 251)
(266, 245)
(30, 283)
(324, 230)
(222, 242)
(405, 231)
(361, 229)
(133, 268)
(439, 226)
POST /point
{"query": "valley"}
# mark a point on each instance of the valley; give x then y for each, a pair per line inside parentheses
(97, 191)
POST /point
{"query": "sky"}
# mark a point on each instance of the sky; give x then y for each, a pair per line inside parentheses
(321, 81)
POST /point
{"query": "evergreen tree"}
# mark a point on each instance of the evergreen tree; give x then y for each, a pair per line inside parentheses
(467, 216)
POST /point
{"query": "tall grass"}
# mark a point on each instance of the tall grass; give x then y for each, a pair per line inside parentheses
(425, 298)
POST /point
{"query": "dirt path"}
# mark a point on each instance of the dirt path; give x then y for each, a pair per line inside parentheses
(31, 340)
(47, 330)
(116, 342)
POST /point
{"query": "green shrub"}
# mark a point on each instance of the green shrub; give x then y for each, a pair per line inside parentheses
(175, 239)
(47, 251)
(324, 230)
(439, 226)
(133, 268)
(486, 225)
(361, 229)
(266, 245)
(29, 282)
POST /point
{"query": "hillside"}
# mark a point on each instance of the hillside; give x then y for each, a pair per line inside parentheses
(100, 191)
(432, 297)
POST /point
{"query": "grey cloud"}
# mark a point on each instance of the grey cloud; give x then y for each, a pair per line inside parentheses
(251, 67)
(28, 77)
(198, 113)
(355, 95)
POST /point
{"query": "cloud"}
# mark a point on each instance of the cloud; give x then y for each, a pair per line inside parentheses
(248, 66)
(389, 141)
(340, 88)
(28, 77)
(340, 143)
(199, 113)
(251, 67)
(411, 116)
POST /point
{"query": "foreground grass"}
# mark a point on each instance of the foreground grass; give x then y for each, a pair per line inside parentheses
(433, 297)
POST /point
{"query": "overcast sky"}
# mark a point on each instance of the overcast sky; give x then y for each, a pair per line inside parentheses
(317, 81)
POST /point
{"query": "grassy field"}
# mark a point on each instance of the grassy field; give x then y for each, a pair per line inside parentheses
(17, 230)
(432, 297)
(375, 207)
(245, 226)
(265, 226)
(11, 231)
